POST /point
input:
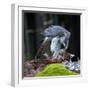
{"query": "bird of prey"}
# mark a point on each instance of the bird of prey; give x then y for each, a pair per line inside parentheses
(59, 37)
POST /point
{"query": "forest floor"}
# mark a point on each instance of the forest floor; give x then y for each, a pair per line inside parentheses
(32, 67)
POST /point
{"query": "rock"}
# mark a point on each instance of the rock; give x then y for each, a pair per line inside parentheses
(28, 65)
(33, 72)
(73, 66)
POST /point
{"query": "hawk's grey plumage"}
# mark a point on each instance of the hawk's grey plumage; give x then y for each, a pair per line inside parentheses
(59, 38)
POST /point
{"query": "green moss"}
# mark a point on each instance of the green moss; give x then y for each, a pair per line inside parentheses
(55, 70)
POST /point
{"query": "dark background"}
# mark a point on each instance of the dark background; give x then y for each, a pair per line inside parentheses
(35, 22)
